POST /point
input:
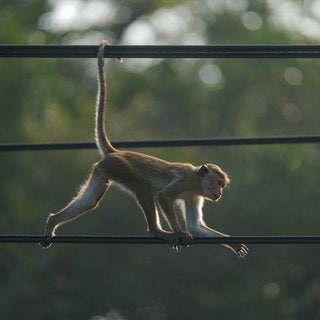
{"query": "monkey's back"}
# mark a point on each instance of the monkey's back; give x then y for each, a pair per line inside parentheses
(127, 167)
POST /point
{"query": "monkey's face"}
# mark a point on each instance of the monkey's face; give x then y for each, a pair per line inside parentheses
(212, 186)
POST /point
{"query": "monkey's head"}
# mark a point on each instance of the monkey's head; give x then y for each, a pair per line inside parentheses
(213, 180)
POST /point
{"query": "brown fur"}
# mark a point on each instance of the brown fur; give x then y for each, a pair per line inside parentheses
(156, 185)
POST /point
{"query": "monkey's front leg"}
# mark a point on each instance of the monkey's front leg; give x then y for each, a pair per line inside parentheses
(166, 202)
(196, 225)
(176, 239)
(241, 250)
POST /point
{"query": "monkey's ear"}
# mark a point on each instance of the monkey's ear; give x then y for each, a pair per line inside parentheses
(202, 171)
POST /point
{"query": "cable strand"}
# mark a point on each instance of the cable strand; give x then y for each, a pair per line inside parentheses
(142, 239)
(161, 51)
(4, 147)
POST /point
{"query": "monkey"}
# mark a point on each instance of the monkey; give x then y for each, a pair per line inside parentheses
(157, 185)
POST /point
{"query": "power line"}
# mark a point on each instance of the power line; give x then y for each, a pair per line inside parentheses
(162, 143)
(161, 51)
(141, 239)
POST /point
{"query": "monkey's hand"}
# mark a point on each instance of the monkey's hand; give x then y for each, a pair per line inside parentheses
(175, 239)
(241, 250)
(179, 239)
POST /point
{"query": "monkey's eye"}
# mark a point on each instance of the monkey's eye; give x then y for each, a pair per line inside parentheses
(221, 184)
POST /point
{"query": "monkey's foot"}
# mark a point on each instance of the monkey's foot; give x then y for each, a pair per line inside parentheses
(46, 243)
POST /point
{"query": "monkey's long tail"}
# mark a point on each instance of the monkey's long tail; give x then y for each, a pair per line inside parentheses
(103, 143)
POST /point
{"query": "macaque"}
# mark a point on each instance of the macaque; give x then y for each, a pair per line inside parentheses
(156, 184)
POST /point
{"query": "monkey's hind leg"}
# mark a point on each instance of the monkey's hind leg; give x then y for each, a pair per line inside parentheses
(87, 199)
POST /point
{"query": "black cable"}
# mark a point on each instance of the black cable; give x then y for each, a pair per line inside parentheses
(150, 51)
(162, 143)
(161, 51)
(140, 239)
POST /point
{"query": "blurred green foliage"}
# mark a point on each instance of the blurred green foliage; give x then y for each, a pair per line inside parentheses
(274, 189)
